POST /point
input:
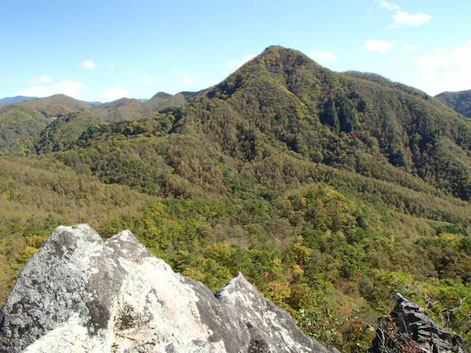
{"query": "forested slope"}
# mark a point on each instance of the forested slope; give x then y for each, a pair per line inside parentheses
(459, 101)
(329, 191)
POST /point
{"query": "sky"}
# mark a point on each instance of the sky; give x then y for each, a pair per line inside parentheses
(102, 50)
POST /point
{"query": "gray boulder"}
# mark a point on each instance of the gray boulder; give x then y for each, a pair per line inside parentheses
(81, 294)
(408, 328)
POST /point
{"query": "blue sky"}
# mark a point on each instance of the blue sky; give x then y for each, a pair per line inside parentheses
(103, 50)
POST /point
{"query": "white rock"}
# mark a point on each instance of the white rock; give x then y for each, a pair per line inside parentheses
(80, 294)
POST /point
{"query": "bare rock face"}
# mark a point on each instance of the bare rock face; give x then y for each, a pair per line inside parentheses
(410, 329)
(271, 328)
(81, 294)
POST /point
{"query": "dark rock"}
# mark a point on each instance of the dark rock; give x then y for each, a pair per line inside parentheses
(409, 328)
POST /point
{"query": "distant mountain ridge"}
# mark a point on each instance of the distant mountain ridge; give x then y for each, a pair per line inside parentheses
(22, 122)
(159, 95)
(459, 101)
(17, 99)
(13, 100)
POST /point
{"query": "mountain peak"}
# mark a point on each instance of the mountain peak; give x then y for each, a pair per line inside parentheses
(162, 95)
(278, 49)
(276, 59)
(287, 56)
(57, 101)
(278, 68)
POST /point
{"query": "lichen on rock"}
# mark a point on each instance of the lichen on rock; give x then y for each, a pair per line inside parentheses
(82, 294)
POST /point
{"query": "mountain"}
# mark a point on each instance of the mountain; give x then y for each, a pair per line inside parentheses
(58, 103)
(330, 191)
(162, 95)
(355, 124)
(162, 101)
(13, 100)
(459, 101)
(283, 101)
(66, 131)
(20, 123)
(39, 125)
(399, 134)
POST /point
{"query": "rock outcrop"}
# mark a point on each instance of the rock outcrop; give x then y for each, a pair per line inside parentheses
(409, 328)
(82, 294)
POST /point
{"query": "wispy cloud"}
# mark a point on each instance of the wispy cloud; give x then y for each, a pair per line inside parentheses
(187, 78)
(379, 46)
(42, 79)
(412, 47)
(113, 93)
(88, 65)
(440, 70)
(323, 55)
(387, 5)
(68, 87)
(235, 64)
(403, 18)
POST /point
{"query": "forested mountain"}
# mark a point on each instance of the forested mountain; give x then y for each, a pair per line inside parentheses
(459, 101)
(21, 123)
(329, 191)
(50, 124)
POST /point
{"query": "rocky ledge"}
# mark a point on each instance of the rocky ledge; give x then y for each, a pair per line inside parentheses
(409, 329)
(82, 294)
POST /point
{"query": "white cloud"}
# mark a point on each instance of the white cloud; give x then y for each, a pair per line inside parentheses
(68, 87)
(404, 18)
(379, 46)
(88, 65)
(412, 47)
(146, 79)
(41, 79)
(112, 94)
(187, 78)
(440, 71)
(387, 5)
(323, 55)
(235, 64)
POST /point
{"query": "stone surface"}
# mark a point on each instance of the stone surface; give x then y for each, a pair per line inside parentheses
(410, 329)
(271, 328)
(81, 294)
